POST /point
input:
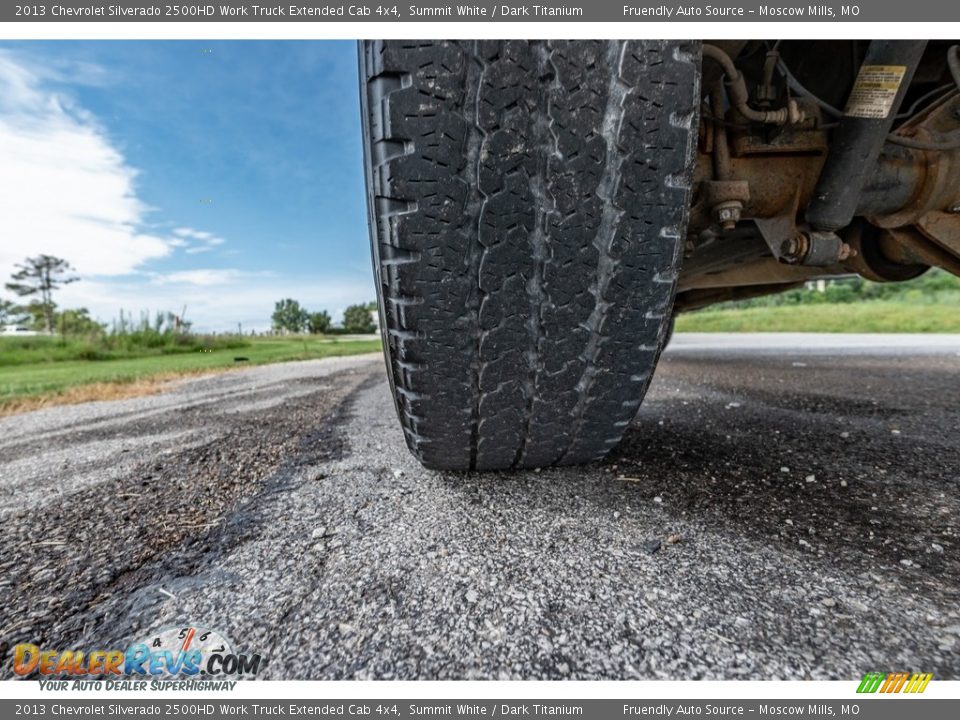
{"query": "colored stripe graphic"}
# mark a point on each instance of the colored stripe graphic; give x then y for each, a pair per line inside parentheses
(918, 683)
(894, 682)
(870, 683)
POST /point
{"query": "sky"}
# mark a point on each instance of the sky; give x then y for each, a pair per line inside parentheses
(220, 176)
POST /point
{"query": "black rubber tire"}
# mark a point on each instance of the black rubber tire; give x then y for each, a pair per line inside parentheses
(668, 333)
(528, 205)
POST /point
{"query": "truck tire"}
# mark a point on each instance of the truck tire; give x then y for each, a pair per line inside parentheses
(528, 205)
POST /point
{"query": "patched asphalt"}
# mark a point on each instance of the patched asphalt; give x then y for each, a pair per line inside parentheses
(778, 510)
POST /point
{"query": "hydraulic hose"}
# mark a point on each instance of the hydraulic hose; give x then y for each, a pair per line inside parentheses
(740, 96)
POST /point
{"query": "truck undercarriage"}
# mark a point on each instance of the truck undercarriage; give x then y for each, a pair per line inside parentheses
(819, 159)
(540, 210)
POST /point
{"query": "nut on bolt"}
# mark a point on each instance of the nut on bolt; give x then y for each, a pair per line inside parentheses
(792, 250)
(727, 214)
(816, 248)
(726, 199)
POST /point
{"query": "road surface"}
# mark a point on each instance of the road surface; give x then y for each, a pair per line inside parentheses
(779, 514)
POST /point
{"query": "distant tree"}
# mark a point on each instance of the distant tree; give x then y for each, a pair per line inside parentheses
(358, 319)
(10, 313)
(35, 315)
(41, 275)
(289, 316)
(78, 322)
(318, 322)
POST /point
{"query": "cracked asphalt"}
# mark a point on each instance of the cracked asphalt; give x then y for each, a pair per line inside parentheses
(781, 508)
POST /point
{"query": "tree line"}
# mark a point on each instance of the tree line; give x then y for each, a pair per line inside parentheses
(36, 280)
(289, 316)
(935, 286)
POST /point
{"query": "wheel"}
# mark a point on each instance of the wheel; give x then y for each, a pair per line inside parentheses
(668, 334)
(528, 203)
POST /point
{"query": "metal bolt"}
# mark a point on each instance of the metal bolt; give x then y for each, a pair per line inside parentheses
(793, 250)
(728, 213)
(955, 208)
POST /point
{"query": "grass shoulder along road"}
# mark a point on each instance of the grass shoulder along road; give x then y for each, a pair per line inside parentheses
(27, 383)
(862, 317)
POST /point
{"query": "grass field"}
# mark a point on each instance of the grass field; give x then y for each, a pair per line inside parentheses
(45, 370)
(862, 317)
(42, 371)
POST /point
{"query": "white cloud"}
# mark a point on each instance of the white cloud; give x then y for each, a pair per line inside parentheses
(192, 234)
(206, 246)
(65, 189)
(206, 277)
(196, 241)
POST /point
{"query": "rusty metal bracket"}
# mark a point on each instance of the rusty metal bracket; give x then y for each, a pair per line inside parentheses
(792, 246)
(911, 246)
(938, 186)
(781, 229)
(943, 228)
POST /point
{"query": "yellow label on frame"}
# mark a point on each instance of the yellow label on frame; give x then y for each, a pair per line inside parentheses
(875, 90)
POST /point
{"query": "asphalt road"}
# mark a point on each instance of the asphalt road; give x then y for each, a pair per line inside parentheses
(781, 508)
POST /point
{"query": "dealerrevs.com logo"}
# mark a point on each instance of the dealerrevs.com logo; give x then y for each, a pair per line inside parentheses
(189, 651)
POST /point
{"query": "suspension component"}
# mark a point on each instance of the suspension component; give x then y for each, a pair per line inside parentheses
(883, 80)
(740, 96)
(726, 199)
(815, 248)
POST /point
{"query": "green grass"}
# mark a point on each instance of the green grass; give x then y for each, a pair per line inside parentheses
(127, 346)
(862, 317)
(35, 367)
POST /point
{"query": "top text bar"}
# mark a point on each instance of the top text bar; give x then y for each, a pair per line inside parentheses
(433, 11)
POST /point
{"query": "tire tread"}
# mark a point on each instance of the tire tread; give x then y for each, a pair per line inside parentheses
(528, 207)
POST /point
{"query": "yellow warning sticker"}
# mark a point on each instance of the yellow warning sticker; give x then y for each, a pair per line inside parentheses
(874, 91)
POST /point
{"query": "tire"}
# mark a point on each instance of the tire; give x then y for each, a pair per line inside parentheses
(668, 334)
(528, 204)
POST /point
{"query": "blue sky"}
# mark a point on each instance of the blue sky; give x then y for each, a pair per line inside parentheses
(220, 175)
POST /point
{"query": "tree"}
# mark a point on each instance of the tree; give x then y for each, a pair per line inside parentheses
(34, 315)
(41, 275)
(10, 313)
(318, 322)
(289, 316)
(78, 322)
(358, 319)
